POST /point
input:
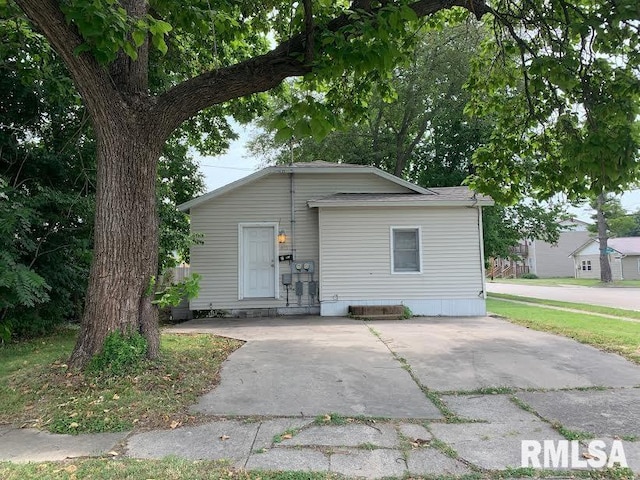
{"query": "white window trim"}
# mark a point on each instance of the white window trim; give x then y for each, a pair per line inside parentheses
(241, 226)
(405, 227)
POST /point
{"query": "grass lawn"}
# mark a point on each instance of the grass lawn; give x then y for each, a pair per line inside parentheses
(166, 469)
(585, 282)
(617, 312)
(611, 335)
(37, 389)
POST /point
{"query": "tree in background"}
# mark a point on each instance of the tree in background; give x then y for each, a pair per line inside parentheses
(562, 84)
(421, 134)
(618, 221)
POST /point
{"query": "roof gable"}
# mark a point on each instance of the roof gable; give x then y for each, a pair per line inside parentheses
(316, 167)
(622, 245)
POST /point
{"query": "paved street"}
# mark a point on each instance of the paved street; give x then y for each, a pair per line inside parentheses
(627, 298)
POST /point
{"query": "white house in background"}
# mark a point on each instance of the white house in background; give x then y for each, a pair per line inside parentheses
(544, 259)
(624, 258)
(320, 237)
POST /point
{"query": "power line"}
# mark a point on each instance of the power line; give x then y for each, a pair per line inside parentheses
(227, 168)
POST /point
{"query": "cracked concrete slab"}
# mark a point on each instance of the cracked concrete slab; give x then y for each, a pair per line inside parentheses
(488, 408)
(307, 460)
(429, 461)
(202, 442)
(493, 446)
(455, 354)
(310, 368)
(414, 431)
(380, 435)
(276, 426)
(631, 451)
(601, 412)
(30, 445)
(368, 463)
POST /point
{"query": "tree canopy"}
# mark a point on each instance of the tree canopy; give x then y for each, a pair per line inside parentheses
(422, 135)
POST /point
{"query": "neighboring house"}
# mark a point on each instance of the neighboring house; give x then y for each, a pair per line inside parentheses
(320, 237)
(549, 260)
(624, 258)
(546, 260)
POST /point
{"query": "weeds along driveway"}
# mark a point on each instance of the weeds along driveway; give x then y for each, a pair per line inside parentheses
(308, 366)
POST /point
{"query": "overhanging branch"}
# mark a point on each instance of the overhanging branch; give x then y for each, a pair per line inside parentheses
(90, 78)
(267, 71)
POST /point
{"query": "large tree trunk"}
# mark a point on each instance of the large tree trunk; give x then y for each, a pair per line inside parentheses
(605, 266)
(125, 239)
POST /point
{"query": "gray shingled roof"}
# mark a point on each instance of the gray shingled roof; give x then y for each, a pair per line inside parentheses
(441, 195)
(321, 164)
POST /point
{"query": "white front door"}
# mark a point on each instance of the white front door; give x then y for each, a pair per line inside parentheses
(258, 250)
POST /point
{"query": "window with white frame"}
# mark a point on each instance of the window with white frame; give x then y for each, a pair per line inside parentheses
(405, 250)
(586, 265)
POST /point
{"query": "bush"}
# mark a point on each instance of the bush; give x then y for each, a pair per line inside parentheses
(121, 354)
(406, 312)
(529, 276)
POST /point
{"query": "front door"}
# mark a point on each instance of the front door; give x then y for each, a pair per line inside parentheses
(258, 262)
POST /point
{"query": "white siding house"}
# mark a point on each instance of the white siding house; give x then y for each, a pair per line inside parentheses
(624, 258)
(320, 237)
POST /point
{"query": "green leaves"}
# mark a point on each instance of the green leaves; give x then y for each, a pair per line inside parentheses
(107, 29)
(173, 294)
(566, 101)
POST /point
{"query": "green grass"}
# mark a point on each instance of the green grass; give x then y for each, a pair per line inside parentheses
(616, 312)
(585, 282)
(170, 468)
(608, 334)
(38, 390)
(332, 419)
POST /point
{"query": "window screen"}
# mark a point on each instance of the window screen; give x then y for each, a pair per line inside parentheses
(406, 250)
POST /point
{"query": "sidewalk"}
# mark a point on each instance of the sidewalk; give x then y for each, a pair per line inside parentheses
(486, 437)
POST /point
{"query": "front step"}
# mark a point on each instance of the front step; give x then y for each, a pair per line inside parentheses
(376, 312)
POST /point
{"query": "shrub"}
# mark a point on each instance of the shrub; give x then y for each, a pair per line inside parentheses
(529, 276)
(406, 312)
(121, 354)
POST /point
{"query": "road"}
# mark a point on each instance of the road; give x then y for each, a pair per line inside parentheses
(627, 298)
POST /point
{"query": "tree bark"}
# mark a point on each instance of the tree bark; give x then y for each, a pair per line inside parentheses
(605, 266)
(125, 251)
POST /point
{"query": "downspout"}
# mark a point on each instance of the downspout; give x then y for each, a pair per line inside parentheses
(292, 191)
(481, 246)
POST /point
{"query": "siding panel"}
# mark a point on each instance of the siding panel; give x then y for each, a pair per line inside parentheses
(357, 261)
(265, 200)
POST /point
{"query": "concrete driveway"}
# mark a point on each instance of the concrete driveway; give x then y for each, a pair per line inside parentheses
(310, 366)
(292, 369)
(627, 298)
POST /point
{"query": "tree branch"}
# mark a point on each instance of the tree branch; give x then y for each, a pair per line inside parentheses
(95, 87)
(308, 28)
(265, 72)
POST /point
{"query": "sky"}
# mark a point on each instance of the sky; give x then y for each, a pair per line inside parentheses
(238, 162)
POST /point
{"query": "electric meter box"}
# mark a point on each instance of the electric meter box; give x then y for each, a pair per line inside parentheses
(303, 266)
